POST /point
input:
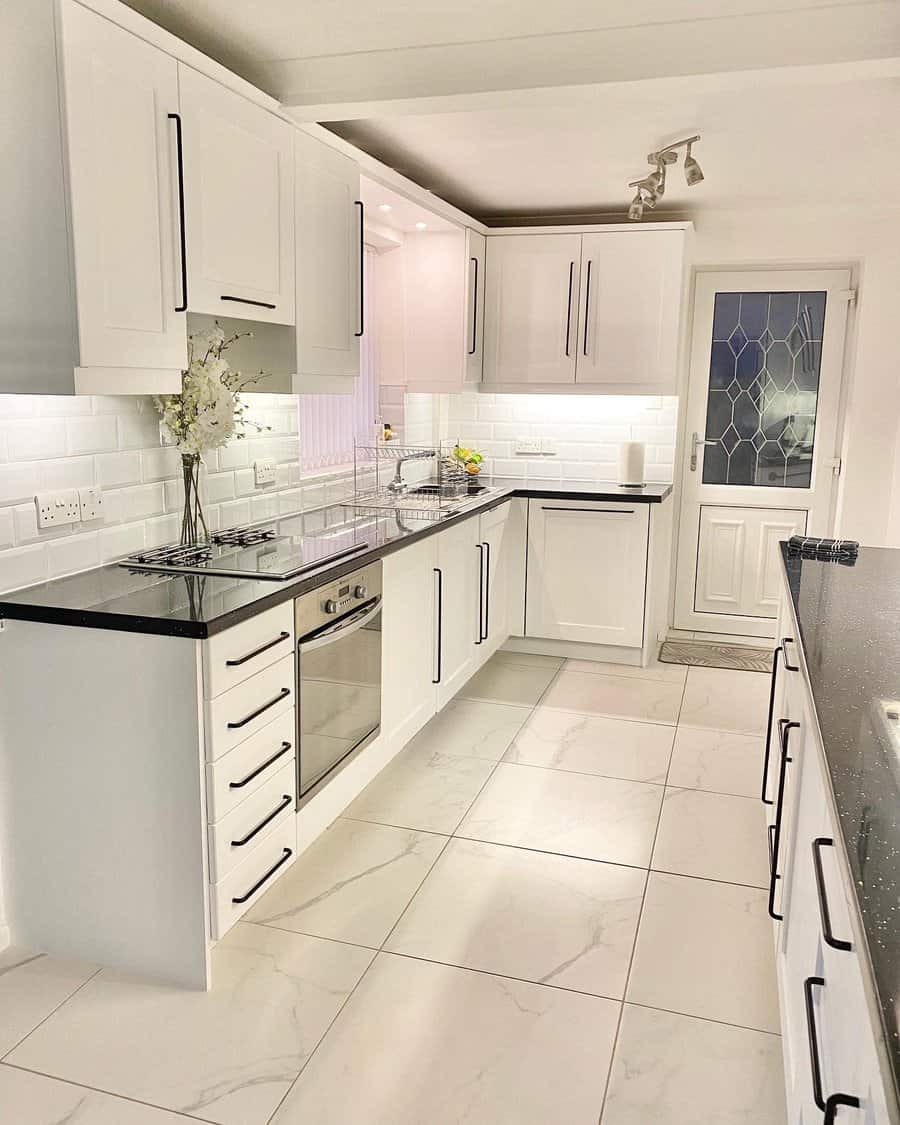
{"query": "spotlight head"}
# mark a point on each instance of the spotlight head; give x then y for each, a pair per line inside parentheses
(693, 173)
(636, 210)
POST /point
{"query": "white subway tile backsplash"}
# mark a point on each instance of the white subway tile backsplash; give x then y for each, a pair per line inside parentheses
(116, 469)
(161, 464)
(94, 434)
(76, 552)
(36, 440)
(23, 566)
(69, 472)
(116, 542)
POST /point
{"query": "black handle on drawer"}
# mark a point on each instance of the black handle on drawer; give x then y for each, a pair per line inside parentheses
(259, 710)
(765, 774)
(283, 636)
(247, 301)
(285, 856)
(487, 590)
(825, 914)
(830, 1105)
(285, 746)
(785, 641)
(179, 149)
(283, 804)
(479, 547)
(784, 727)
(440, 622)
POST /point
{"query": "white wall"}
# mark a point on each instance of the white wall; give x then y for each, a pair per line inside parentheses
(869, 498)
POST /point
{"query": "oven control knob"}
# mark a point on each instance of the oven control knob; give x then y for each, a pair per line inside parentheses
(331, 606)
(360, 592)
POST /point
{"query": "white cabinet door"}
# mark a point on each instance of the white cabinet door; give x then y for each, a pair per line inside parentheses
(239, 203)
(530, 308)
(587, 569)
(497, 569)
(630, 310)
(456, 591)
(330, 306)
(435, 310)
(119, 93)
(476, 246)
(407, 641)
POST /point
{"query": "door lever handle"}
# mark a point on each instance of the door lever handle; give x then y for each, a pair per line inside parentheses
(696, 441)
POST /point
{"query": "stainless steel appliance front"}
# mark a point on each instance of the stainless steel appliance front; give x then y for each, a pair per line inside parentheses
(338, 672)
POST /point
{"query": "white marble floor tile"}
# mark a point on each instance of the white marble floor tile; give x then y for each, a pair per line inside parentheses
(550, 919)
(228, 1055)
(32, 1099)
(425, 1044)
(712, 836)
(705, 949)
(474, 730)
(352, 884)
(655, 670)
(722, 699)
(718, 761)
(676, 1070)
(31, 986)
(527, 659)
(498, 682)
(422, 789)
(572, 814)
(619, 697)
(565, 740)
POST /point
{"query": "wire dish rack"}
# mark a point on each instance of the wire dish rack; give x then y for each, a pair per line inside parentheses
(431, 488)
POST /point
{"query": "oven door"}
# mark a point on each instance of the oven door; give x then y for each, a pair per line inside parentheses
(339, 674)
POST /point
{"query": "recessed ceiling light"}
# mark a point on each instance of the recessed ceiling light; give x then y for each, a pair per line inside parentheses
(385, 207)
(421, 226)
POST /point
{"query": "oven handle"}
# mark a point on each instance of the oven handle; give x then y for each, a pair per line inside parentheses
(342, 628)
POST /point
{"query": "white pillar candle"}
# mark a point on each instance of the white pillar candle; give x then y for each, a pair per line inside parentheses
(631, 463)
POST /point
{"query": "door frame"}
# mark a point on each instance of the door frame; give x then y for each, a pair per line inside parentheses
(682, 615)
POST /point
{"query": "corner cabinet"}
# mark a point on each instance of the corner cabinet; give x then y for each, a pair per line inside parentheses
(599, 310)
(238, 169)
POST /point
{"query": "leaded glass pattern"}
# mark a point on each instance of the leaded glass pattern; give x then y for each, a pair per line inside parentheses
(763, 388)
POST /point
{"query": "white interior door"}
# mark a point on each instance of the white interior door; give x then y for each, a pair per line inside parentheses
(760, 454)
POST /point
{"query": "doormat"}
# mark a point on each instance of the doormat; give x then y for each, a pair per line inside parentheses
(710, 654)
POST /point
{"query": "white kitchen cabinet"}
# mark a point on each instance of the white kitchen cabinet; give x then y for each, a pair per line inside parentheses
(476, 253)
(407, 689)
(530, 308)
(238, 161)
(331, 312)
(435, 311)
(501, 574)
(456, 617)
(600, 310)
(630, 310)
(587, 571)
(120, 95)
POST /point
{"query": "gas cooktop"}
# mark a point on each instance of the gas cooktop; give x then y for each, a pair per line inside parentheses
(251, 552)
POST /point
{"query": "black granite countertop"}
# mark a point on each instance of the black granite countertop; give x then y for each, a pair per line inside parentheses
(848, 619)
(112, 597)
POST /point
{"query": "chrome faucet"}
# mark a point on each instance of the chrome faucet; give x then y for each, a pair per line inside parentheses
(398, 484)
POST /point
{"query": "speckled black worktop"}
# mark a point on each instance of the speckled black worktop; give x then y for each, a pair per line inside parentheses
(112, 597)
(848, 619)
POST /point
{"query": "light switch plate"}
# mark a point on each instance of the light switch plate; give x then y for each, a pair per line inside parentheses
(91, 502)
(57, 508)
(528, 445)
(264, 471)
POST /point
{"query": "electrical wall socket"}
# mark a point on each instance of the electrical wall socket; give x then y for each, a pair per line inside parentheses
(549, 447)
(264, 471)
(528, 445)
(91, 502)
(57, 508)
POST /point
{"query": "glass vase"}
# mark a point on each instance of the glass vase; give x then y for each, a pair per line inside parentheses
(193, 524)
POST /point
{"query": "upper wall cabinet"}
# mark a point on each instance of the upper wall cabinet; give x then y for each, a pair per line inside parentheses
(238, 169)
(476, 254)
(598, 311)
(331, 312)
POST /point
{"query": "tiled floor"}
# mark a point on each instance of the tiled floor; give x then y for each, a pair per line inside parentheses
(548, 909)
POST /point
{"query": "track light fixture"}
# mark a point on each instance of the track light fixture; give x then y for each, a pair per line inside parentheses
(651, 188)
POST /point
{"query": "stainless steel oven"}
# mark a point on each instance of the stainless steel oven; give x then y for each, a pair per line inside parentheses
(338, 672)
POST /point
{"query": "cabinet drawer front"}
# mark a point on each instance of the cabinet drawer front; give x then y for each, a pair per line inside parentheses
(251, 879)
(240, 713)
(231, 657)
(250, 765)
(234, 839)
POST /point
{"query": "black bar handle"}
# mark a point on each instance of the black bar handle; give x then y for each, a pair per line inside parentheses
(259, 711)
(784, 643)
(474, 262)
(362, 257)
(785, 727)
(283, 636)
(587, 305)
(247, 301)
(569, 307)
(765, 774)
(835, 1101)
(440, 622)
(283, 804)
(285, 746)
(593, 511)
(824, 913)
(285, 856)
(813, 1036)
(487, 590)
(480, 548)
(179, 150)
